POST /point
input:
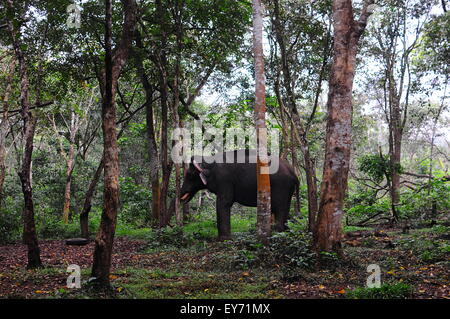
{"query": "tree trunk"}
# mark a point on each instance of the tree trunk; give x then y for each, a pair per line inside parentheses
(29, 124)
(395, 157)
(347, 32)
(29, 229)
(67, 190)
(84, 216)
(113, 65)
(263, 222)
(177, 12)
(310, 175)
(164, 87)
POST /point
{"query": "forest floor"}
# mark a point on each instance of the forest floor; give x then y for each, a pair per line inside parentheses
(207, 269)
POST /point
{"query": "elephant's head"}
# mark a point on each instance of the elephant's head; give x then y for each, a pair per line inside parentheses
(195, 179)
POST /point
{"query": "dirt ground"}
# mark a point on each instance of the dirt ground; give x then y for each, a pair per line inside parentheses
(417, 259)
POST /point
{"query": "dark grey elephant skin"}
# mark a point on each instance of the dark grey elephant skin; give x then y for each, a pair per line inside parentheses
(236, 182)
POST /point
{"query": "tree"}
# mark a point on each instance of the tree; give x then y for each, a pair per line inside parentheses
(294, 34)
(114, 63)
(180, 47)
(396, 38)
(347, 33)
(262, 168)
(29, 125)
(77, 131)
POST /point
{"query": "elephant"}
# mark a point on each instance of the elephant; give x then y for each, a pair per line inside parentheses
(235, 181)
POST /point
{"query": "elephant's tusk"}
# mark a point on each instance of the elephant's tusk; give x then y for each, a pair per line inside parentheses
(197, 166)
(185, 196)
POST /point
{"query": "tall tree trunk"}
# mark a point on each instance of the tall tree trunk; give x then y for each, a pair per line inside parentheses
(347, 32)
(29, 124)
(113, 65)
(263, 222)
(164, 87)
(395, 141)
(176, 101)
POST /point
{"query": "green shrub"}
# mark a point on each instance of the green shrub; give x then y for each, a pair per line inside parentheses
(426, 250)
(10, 221)
(169, 238)
(290, 251)
(415, 203)
(386, 291)
(135, 200)
(50, 227)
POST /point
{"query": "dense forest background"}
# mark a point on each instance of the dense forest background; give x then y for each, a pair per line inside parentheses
(192, 60)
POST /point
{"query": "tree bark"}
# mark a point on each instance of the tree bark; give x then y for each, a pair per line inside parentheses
(164, 88)
(311, 185)
(178, 10)
(113, 65)
(263, 222)
(29, 124)
(67, 188)
(347, 32)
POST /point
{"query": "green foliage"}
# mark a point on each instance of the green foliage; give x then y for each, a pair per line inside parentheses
(435, 193)
(292, 251)
(434, 49)
(377, 167)
(135, 200)
(169, 238)
(289, 251)
(386, 291)
(359, 212)
(427, 250)
(10, 221)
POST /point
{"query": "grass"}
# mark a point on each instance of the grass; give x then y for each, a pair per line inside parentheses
(207, 229)
(355, 228)
(135, 233)
(187, 262)
(386, 291)
(159, 283)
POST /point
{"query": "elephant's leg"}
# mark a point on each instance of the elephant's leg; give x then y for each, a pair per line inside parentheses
(223, 207)
(281, 211)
